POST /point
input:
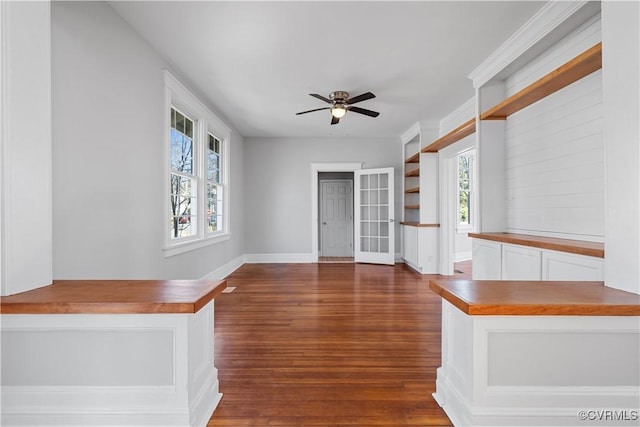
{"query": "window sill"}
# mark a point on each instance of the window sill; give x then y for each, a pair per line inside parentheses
(180, 248)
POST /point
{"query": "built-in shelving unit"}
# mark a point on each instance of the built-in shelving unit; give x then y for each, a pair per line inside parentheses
(570, 72)
(412, 177)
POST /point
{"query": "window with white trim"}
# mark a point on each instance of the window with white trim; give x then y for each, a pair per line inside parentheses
(466, 191)
(197, 171)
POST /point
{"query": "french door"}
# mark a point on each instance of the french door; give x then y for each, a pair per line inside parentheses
(374, 227)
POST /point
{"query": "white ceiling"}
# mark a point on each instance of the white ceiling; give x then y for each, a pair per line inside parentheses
(258, 61)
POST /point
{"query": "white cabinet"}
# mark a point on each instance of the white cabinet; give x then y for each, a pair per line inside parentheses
(487, 260)
(420, 248)
(494, 260)
(520, 262)
(564, 266)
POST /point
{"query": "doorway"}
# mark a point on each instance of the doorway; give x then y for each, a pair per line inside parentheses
(316, 170)
(335, 225)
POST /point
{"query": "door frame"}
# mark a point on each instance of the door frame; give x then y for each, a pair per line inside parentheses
(315, 169)
(322, 206)
(448, 194)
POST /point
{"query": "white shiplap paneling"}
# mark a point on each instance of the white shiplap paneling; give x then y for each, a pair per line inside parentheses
(555, 164)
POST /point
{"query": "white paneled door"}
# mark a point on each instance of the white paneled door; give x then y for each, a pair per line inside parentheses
(374, 227)
(336, 218)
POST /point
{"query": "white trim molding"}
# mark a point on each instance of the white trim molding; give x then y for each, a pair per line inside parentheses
(410, 133)
(224, 270)
(279, 258)
(544, 25)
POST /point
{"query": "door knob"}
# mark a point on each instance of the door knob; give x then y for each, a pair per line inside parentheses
(324, 223)
(391, 220)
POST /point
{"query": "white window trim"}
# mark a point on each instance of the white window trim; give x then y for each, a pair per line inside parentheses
(176, 94)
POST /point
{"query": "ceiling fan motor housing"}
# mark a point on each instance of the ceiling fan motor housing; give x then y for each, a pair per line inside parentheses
(339, 96)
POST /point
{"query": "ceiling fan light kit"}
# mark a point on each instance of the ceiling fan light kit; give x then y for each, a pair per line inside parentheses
(341, 103)
(338, 111)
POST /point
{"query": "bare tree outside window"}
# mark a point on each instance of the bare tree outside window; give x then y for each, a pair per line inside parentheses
(183, 191)
(465, 187)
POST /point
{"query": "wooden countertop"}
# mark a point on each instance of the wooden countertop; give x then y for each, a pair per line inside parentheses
(579, 247)
(114, 297)
(536, 298)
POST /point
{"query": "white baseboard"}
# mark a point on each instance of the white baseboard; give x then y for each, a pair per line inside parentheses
(462, 256)
(278, 258)
(225, 270)
(514, 407)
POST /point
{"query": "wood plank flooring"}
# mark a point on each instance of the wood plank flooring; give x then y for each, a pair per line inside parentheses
(328, 345)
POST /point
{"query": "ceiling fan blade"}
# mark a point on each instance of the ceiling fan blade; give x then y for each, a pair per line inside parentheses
(334, 120)
(311, 111)
(360, 98)
(322, 98)
(363, 111)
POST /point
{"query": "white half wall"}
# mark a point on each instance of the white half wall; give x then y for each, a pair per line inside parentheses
(278, 181)
(108, 170)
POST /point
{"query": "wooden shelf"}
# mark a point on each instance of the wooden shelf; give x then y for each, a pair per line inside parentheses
(412, 206)
(414, 159)
(579, 247)
(412, 190)
(536, 298)
(413, 172)
(579, 67)
(466, 129)
(114, 297)
(418, 224)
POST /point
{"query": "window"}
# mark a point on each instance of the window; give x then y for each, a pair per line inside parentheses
(214, 189)
(198, 179)
(184, 182)
(466, 192)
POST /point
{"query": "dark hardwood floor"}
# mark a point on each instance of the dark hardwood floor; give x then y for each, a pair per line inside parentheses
(328, 345)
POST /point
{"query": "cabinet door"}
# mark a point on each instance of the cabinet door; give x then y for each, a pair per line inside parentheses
(486, 260)
(520, 263)
(428, 257)
(410, 245)
(563, 266)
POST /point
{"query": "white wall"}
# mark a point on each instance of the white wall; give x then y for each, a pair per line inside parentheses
(278, 186)
(555, 149)
(108, 171)
(25, 146)
(621, 90)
